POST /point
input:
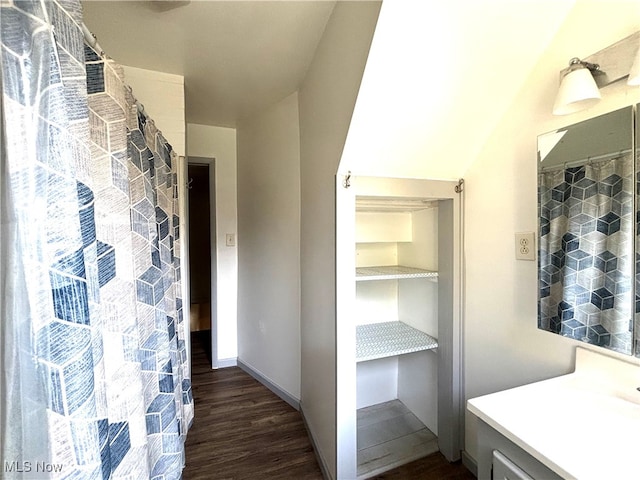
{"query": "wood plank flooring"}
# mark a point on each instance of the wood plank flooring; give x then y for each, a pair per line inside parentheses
(432, 467)
(244, 431)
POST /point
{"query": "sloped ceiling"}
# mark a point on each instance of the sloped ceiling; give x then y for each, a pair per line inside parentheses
(439, 77)
(237, 57)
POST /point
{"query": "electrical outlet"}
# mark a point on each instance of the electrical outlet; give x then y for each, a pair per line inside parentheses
(525, 246)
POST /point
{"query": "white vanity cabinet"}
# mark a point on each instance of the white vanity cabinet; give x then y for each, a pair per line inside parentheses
(580, 426)
(501, 459)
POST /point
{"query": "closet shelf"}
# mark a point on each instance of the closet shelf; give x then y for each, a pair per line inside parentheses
(380, 340)
(392, 273)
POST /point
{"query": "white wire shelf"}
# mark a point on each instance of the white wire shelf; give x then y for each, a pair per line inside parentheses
(381, 340)
(392, 272)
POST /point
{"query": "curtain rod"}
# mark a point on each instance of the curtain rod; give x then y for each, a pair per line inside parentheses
(91, 39)
(585, 161)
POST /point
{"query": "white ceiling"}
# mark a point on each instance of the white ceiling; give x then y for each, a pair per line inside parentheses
(437, 68)
(237, 57)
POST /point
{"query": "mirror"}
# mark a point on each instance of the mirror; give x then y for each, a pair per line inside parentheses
(586, 262)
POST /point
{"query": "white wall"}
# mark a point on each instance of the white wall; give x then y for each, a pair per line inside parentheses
(269, 244)
(220, 143)
(503, 347)
(326, 101)
(162, 95)
(397, 130)
(436, 68)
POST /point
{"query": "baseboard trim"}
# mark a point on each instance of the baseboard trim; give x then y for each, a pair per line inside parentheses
(227, 362)
(319, 457)
(470, 463)
(286, 396)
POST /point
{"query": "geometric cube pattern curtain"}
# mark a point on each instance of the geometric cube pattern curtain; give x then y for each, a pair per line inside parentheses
(586, 253)
(94, 369)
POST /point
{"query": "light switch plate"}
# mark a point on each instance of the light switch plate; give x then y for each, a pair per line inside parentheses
(525, 246)
(230, 239)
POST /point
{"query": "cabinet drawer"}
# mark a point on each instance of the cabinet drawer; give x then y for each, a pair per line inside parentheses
(505, 469)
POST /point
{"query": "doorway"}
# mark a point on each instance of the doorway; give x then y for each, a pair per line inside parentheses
(202, 248)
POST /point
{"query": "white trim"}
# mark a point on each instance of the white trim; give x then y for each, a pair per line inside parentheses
(183, 229)
(469, 463)
(226, 362)
(326, 473)
(450, 300)
(283, 394)
(211, 162)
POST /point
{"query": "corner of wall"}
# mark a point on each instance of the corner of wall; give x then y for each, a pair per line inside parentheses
(269, 243)
(162, 95)
(326, 101)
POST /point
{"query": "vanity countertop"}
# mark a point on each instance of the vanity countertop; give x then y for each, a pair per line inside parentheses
(584, 425)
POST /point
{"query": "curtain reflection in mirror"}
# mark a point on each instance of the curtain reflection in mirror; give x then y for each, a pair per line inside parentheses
(586, 251)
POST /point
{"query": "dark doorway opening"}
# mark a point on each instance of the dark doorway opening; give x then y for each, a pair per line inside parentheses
(200, 221)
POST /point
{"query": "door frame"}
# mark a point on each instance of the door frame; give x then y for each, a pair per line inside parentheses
(450, 333)
(183, 230)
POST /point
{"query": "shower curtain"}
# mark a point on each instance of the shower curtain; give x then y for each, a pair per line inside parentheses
(586, 257)
(94, 370)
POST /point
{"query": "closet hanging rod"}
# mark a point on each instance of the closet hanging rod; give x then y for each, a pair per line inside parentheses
(91, 39)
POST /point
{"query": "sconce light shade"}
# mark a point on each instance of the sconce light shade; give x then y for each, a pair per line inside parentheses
(634, 73)
(578, 90)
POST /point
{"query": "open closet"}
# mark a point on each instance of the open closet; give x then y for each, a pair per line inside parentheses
(403, 322)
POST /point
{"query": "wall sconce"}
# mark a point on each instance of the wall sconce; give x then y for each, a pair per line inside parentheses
(581, 80)
(578, 88)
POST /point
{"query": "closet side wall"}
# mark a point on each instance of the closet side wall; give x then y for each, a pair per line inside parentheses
(418, 386)
(418, 299)
(418, 307)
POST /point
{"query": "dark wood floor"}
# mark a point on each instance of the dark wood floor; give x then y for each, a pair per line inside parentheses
(433, 467)
(243, 431)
